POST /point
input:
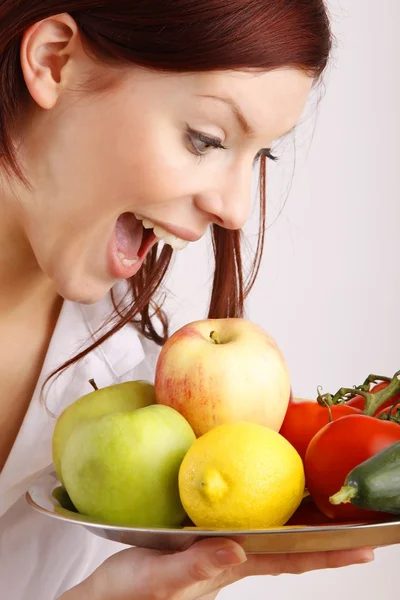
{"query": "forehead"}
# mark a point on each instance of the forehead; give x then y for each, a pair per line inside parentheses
(272, 102)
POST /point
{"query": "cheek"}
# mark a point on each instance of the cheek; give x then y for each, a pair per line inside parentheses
(70, 246)
(156, 169)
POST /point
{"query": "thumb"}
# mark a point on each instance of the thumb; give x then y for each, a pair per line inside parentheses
(203, 561)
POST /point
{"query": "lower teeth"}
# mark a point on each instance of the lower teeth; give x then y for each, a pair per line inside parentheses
(129, 263)
(126, 261)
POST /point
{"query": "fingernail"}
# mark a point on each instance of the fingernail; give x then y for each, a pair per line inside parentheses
(232, 557)
(368, 557)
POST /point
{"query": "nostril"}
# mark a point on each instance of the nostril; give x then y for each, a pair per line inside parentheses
(218, 221)
(210, 204)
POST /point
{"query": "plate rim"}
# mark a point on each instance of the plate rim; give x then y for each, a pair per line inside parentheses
(191, 530)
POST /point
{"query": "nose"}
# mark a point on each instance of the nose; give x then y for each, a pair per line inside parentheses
(227, 203)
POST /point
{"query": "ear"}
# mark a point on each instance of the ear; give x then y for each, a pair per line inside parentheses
(48, 50)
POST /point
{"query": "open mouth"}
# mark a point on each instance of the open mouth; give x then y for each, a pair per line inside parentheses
(133, 241)
(134, 236)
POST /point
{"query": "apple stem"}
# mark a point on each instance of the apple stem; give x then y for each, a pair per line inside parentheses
(93, 384)
(215, 337)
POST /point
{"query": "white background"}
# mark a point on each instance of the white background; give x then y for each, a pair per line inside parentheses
(329, 286)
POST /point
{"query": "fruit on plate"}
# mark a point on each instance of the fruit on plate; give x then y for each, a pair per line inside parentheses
(308, 514)
(122, 468)
(241, 476)
(359, 401)
(391, 413)
(224, 370)
(375, 483)
(304, 419)
(369, 400)
(335, 450)
(120, 397)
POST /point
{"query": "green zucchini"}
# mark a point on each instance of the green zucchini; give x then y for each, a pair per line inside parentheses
(374, 484)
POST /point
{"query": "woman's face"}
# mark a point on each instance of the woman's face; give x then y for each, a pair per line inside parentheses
(171, 150)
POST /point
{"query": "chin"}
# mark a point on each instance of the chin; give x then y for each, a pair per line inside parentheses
(83, 290)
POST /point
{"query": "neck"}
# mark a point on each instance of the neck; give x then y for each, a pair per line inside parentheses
(22, 282)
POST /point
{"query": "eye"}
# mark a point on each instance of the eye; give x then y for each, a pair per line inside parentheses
(201, 144)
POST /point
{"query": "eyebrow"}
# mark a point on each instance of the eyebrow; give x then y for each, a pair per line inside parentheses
(244, 125)
(235, 108)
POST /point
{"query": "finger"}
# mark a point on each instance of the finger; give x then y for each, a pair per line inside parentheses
(297, 563)
(206, 560)
(143, 573)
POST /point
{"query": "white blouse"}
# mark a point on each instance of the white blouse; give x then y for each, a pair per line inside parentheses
(40, 558)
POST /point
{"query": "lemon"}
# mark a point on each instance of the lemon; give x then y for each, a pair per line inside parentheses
(241, 476)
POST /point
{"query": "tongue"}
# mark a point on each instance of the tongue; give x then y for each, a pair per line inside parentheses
(129, 235)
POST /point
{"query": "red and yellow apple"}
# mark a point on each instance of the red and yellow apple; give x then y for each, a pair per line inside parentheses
(218, 371)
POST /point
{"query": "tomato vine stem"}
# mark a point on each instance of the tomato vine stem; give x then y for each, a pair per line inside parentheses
(372, 401)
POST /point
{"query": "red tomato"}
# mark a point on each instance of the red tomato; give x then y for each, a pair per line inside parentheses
(335, 450)
(304, 419)
(389, 409)
(308, 514)
(359, 402)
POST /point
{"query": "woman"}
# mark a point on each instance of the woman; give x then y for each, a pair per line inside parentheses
(123, 123)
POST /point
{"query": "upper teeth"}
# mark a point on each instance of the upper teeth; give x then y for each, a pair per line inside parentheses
(175, 242)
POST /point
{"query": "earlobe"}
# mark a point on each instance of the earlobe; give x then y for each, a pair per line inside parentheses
(46, 49)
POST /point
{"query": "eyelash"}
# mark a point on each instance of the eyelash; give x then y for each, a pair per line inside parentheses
(215, 143)
(203, 139)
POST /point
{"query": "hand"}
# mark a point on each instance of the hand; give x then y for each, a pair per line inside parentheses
(206, 567)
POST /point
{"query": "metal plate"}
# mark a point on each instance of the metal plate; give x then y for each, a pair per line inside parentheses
(294, 538)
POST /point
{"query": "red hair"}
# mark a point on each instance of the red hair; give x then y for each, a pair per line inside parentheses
(175, 36)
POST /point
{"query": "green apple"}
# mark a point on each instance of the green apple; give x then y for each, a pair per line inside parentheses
(123, 468)
(120, 397)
